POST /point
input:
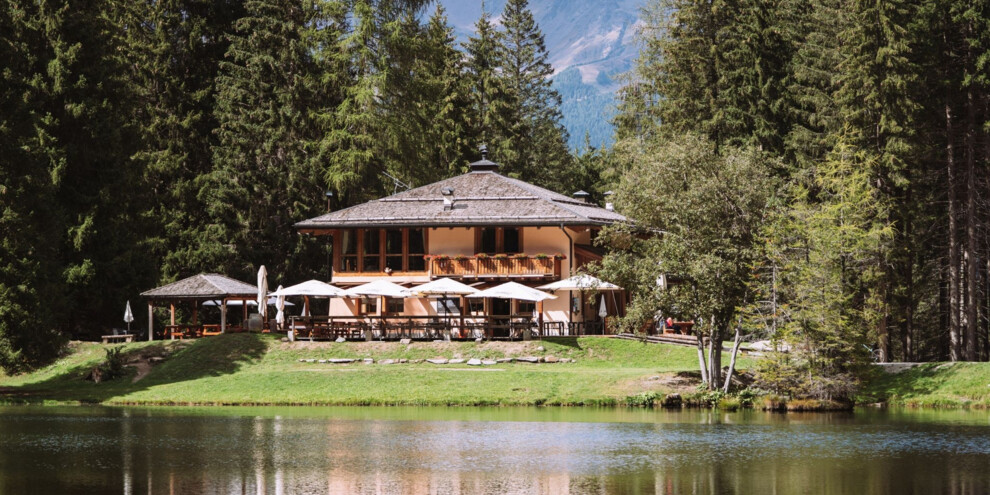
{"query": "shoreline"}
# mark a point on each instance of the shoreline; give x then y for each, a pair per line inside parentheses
(252, 370)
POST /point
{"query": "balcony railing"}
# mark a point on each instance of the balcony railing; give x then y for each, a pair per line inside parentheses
(495, 267)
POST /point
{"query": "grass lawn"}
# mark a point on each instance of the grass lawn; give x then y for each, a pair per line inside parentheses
(932, 385)
(260, 369)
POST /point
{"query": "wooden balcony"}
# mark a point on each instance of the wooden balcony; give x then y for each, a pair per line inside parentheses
(495, 267)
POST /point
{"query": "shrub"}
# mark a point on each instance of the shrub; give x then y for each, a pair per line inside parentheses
(645, 399)
(113, 365)
(729, 403)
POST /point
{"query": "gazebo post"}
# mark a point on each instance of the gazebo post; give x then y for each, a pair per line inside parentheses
(171, 307)
(223, 316)
(151, 321)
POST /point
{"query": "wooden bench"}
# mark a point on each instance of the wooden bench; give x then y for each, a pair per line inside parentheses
(127, 337)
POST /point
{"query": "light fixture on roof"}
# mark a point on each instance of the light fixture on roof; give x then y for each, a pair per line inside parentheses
(448, 198)
(582, 195)
(608, 201)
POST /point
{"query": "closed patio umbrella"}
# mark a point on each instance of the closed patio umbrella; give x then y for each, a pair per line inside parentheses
(280, 306)
(262, 292)
(128, 316)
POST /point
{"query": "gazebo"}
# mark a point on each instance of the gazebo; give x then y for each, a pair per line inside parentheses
(202, 287)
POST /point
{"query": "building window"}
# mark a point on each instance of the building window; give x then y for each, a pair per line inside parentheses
(476, 307)
(368, 306)
(496, 240)
(416, 250)
(349, 251)
(525, 308)
(449, 307)
(393, 250)
(489, 240)
(395, 306)
(372, 250)
(511, 240)
(375, 250)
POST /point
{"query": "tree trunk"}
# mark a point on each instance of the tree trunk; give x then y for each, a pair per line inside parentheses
(732, 362)
(955, 336)
(970, 255)
(701, 359)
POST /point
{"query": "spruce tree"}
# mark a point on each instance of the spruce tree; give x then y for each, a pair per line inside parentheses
(262, 180)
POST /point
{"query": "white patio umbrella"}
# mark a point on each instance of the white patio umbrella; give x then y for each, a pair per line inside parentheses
(128, 316)
(514, 290)
(380, 288)
(443, 287)
(581, 283)
(310, 288)
(280, 306)
(272, 301)
(262, 292)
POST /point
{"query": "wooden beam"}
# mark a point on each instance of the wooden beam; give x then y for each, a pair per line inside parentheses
(223, 316)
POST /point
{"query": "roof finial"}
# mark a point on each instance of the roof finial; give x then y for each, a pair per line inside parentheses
(483, 165)
(484, 151)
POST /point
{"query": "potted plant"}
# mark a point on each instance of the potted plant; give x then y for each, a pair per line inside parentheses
(542, 256)
(481, 256)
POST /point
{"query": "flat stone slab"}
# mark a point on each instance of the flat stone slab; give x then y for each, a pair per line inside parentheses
(322, 361)
(403, 361)
(338, 360)
(387, 361)
(368, 361)
(528, 359)
(405, 341)
(487, 362)
(474, 362)
(436, 361)
(505, 360)
(340, 339)
(551, 359)
(455, 361)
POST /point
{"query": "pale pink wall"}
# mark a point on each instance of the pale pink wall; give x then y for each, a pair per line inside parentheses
(452, 242)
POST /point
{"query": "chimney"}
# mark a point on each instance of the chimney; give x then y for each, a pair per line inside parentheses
(581, 195)
(608, 201)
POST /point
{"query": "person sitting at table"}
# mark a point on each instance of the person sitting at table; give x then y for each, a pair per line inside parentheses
(671, 324)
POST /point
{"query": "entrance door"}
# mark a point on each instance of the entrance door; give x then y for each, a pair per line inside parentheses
(501, 309)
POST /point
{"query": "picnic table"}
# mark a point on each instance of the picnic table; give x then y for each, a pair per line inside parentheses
(126, 337)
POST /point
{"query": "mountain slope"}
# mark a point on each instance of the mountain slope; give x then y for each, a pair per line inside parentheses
(590, 43)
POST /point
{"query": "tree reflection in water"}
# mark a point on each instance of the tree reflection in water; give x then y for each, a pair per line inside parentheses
(436, 450)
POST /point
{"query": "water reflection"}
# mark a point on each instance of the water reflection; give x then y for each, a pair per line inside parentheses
(440, 451)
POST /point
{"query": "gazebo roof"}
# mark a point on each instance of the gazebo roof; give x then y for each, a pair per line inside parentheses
(203, 286)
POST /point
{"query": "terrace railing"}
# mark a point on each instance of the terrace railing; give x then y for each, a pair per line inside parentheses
(495, 267)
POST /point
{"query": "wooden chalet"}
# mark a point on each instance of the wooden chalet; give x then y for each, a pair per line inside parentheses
(481, 228)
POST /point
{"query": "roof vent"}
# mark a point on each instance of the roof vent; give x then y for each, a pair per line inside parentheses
(583, 196)
(609, 205)
(484, 165)
(448, 198)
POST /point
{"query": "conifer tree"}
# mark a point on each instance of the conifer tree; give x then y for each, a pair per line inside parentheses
(262, 180)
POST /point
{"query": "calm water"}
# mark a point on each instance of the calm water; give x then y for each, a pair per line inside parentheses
(489, 450)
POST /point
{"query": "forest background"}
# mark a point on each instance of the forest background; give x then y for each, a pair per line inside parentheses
(141, 142)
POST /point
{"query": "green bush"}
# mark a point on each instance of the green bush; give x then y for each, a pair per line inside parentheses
(113, 365)
(645, 399)
(729, 403)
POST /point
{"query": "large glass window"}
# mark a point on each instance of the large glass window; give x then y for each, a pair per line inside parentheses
(510, 240)
(416, 251)
(372, 248)
(489, 240)
(393, 249)
(348, 251)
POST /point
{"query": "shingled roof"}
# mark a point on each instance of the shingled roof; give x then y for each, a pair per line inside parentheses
(480, 197)
(203, 286)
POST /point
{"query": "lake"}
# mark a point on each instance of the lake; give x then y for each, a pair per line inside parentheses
(489, 450)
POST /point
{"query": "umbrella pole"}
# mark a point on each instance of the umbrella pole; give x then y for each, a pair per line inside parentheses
(151, 321)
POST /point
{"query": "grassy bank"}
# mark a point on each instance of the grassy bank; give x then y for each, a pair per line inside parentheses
(260, 369)
(931, 385)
